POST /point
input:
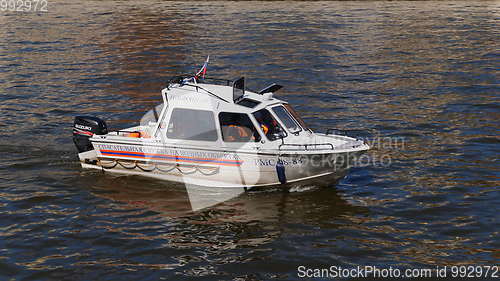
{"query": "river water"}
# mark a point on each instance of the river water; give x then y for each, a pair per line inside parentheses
(418, 80)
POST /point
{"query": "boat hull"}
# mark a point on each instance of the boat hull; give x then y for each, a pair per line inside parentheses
(218, 168)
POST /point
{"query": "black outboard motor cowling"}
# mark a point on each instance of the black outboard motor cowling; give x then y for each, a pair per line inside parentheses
(85, 127)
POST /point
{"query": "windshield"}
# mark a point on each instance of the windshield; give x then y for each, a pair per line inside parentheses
(152, 115)
(296, 116)
(287, 120)
(269, 125)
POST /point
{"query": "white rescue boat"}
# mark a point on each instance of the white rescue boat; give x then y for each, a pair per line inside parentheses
(215, 132)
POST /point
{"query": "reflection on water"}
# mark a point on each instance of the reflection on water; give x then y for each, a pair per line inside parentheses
(424, 73)
(265, 211)
(182, 200)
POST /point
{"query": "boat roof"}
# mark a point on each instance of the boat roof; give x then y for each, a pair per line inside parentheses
(216, 98)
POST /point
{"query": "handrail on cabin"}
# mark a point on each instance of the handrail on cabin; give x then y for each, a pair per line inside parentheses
(306, 146)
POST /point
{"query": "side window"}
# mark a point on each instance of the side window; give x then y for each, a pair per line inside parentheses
(237, 127)
(269, 125)
(189, 124)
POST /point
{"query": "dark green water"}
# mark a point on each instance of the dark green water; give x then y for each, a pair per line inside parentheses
(422, 73)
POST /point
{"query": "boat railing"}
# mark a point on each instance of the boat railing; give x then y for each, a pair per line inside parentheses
(225, 82)
(118, 132)
(179, 79)
(308, 147)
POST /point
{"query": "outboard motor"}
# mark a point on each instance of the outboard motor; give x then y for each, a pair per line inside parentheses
(85, 127)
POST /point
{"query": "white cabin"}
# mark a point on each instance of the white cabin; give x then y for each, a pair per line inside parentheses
(226, 118)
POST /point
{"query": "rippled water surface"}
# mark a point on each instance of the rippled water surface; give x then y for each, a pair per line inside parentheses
(422, 73)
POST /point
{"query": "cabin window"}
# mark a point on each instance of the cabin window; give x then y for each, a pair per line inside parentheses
(189, 124)
(269, 125)
(237, 127)
(296, 116)
(248, 103)
(287, 120)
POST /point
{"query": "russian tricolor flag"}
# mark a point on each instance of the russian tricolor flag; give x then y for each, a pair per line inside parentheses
(203, 69)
